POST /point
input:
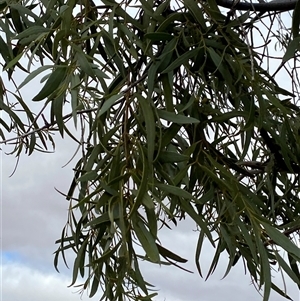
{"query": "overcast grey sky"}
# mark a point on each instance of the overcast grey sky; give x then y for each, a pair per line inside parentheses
(33, 215)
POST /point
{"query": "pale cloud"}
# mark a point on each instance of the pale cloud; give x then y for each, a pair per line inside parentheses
(22, 283)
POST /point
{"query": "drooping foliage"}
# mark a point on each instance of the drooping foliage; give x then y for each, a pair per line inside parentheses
(176, 114)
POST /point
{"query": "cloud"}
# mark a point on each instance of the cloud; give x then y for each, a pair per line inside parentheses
(23, 283)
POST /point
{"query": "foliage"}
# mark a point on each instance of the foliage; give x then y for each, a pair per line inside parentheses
(175, 116)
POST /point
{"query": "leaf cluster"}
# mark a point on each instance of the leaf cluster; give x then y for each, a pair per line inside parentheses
(170, 104)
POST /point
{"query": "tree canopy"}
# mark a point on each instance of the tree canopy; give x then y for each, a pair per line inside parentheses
(176, 113)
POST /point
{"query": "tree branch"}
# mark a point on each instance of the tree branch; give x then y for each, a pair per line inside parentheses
(277, 5)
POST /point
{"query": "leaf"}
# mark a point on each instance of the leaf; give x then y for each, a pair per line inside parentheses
(33, 74)
(150, 126)
(265, 273)
(12, 114)
(95, 285)
(79, 261)
(32, 143)
(84, 64)
(14, 61)
(34, 30)
(108, 103)
(168, 254)
(151, 218)
(176, 118)
(54, 81)
(57, 110)
(198, 251)
(145, 238)
(198, 218)
(196, 12)
(287, 269)
(88, 176)
(23, 11)
(280, 292)
(220, 65)
(296, 20)
(291, 49)
(75, 83)
(169, 21)
(226, 116)
(143, 185)
(175, 190)
(4, 50)
(168, 89)
(182, 60)
(281, 240)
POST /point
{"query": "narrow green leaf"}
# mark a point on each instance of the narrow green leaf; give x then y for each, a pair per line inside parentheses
(280, 292)
(196, 11)
(168, 254)
(214, 263)
(142, 186)
(75, 82)
(145, 238)
(265, 273)
(138, 276)
(198, 251)
(167, 79)
(108, 103)
(150, 126)
(169, 134)
(14, 61)
(32, 143)
(88, 176)
(57, 110)
(34, 30)
(183, 59)
(287, 269)
(281, 240)
(4, 50)
(95, 285)
(79, 261)
(152, 219)
(198, 218)
(296, 20)
(33, 74)
(169, 21)
(175, 190)
(25, 11)
(104, 218)
(12, 114)
(84, 64)
(291, 49)
(52, 83)
(217, 59)
(226, 116)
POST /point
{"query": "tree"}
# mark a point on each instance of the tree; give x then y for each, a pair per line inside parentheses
(176, 114)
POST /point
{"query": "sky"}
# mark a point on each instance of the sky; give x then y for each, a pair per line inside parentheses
(33, 214)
